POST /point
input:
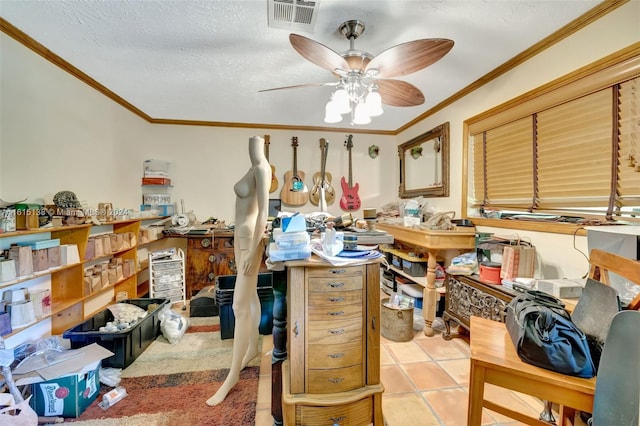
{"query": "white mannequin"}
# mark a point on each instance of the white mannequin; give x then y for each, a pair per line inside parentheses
(252, 208)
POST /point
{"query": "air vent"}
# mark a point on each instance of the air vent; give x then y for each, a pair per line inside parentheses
(293, 14)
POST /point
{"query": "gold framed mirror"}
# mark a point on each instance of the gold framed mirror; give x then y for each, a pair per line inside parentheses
(424, 164)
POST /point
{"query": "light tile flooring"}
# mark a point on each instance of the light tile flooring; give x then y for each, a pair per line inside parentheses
(426, 383)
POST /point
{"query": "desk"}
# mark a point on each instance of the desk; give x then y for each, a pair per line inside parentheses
(435, 242)
(494, 360)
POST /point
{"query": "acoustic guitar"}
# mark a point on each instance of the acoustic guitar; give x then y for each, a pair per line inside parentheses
(294, 191)
(350, 199)
(274, 179)
(322, 194)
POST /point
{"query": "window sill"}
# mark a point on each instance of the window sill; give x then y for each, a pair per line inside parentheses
(529, 225)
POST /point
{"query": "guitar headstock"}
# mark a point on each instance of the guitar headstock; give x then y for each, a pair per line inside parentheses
(294, 141)
(349, 142)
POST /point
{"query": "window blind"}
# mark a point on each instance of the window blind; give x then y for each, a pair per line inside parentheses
(581, 156)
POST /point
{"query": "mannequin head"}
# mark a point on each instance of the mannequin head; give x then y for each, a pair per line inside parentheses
(256, 149)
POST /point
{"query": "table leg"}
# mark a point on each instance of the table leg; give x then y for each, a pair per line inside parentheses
(279, 352)
(476, 395)
(430, 296)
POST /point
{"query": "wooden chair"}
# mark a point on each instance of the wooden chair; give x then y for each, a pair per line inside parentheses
(494, 360)
(603, 262)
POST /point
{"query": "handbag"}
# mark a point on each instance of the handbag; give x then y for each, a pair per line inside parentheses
(544, 335)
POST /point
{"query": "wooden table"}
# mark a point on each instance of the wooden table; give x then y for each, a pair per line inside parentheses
(435, 242)
(494, 360)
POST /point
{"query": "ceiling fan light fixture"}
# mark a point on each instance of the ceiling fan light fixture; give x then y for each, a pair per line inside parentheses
(361, 115)
(330, 116)
(341, 101)
(374, 102)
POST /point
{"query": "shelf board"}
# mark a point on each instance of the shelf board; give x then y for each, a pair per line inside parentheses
(418, 280)
(42, 273)
(42, 230)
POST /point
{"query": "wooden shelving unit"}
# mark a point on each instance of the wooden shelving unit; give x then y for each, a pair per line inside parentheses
(70, 305)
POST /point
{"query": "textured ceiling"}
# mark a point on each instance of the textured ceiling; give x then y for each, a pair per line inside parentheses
(206, 60)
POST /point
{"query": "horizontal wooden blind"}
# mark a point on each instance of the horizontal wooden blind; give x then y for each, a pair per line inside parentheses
(508, 164)
(574, 152)
(628, 186)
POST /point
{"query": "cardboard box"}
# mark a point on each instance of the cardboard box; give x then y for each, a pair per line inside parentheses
(65, 388)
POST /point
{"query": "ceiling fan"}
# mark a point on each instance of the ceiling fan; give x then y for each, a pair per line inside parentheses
(361, 73)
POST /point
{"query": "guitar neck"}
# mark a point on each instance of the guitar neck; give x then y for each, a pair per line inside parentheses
(350, 179)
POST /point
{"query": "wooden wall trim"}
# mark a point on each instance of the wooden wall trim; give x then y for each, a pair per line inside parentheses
(582, 21)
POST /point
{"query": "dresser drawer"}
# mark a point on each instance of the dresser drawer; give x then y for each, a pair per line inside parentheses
(334, 332)
(335, 309)
(335, 356)
(335, 272)
(335, 379)
(354, 414)
(337, 283)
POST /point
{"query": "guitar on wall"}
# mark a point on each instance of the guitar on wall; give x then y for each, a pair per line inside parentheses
(274, 179)
(294, 191)
(322, 193)
(350, 199)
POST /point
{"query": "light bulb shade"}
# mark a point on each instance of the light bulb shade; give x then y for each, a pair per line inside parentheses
(341, 100)
(330, 114)
(361, 115)
(374, 103)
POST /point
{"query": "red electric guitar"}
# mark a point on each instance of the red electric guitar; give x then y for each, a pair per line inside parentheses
(350, 199)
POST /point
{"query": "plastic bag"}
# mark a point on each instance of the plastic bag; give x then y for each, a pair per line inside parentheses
(172, 324)
(125, 315)
(110, 376)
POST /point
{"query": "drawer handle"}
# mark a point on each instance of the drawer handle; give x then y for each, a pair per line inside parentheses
(338, 271)
(205, 242)
(336, 285)
(336, 356)
(335, 299)
(295, 329)
(338, 331)
(335, 314)
(373, 323)
(211, 276)
(338, 419)
(212, 258)
(336, 379)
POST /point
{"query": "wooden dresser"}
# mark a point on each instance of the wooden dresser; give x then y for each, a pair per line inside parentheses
(208, 256)
(332, 375)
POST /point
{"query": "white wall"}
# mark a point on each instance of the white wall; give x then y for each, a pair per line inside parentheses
(556, 253)
(57, 133)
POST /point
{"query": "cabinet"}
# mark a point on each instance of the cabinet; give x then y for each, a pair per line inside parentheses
(468, 296)
(71, 302)
(332, 375)
(209, 256)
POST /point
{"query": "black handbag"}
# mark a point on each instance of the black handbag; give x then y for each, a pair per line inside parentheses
(544, 335)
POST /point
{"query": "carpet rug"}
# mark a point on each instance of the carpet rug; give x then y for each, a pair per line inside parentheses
(169, 384)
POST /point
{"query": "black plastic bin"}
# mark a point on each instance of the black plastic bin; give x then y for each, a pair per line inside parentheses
(126, 346)
(225, 286)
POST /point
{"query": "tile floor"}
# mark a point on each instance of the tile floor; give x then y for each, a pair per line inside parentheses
(426, 383)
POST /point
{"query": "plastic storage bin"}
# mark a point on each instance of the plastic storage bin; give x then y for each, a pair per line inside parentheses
(225, 287)
(415, 269)
(126, 346)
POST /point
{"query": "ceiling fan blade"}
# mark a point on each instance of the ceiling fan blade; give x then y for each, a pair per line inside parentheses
(409, 57)
(298, 86)
(399, 93)
(318, 53)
